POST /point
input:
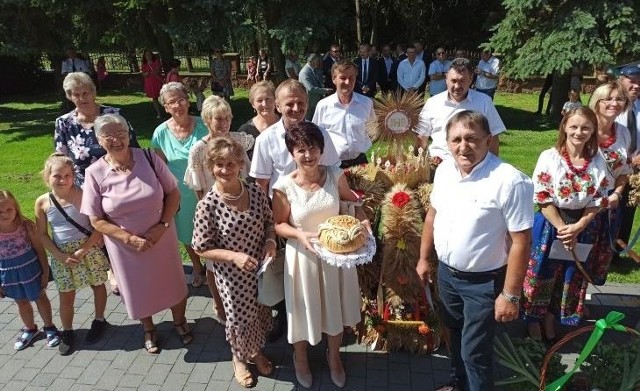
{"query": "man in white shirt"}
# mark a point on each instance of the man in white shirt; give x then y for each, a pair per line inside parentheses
(345, 115)
(479, 226)
(438, 109)
(487, 71)
(411, 72)
(271, 159)
(630, 80)
(438, 72)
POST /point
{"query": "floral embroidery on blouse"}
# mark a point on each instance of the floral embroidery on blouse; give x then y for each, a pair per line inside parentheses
(555, 183)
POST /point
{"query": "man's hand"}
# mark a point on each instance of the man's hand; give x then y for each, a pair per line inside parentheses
(424, 271)
(505, 310)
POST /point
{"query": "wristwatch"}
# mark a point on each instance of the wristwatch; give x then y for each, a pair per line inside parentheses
(164, 224)
(515, 300)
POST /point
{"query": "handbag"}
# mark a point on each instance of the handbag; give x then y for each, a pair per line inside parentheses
(71, 221)
(271, 282)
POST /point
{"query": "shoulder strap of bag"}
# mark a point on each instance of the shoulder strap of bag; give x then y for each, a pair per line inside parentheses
(67, 217)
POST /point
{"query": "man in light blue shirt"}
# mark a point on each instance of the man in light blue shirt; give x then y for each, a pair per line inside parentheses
(411, 72)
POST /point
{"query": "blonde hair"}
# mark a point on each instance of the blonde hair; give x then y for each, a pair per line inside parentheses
(77, 80)
(221, 148)
(262, 85)
(55, 159)
(604, 90)
(213, 105)
(5, 195)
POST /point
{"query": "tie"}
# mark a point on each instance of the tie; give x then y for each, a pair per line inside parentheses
(73, 64)
(364, 71)
(633, 129)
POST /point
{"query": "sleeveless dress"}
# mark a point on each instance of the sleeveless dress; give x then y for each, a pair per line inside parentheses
(93, 268)
(152, 82)
(20, 268)
(216, 225)
(320, 298)
(177, 153)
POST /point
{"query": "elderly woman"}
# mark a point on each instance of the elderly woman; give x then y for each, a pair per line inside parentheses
(608, 101)
(172, 140)
(232, 206)
(131, 199)
(320, 298)
(216, 114)
(74, 134)
(570, 185)
(262, 97)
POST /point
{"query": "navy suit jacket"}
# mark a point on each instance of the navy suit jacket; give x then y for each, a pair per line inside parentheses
(372, 77)
(388, 82)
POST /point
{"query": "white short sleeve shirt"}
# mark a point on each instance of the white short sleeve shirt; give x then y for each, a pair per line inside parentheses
(346, 124)
(271, 159)
(437, 86)
(475, 214)
(437, 111)
(491, 66)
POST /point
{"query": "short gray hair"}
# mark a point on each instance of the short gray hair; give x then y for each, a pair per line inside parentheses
(108, 119)
(171, 87)
(75, 80)
(214, 105)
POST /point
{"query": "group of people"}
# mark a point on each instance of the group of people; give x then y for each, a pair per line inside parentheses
(228, 196)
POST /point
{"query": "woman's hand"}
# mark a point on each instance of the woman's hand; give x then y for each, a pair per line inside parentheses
(269, 249)
(614, 200)
(568, 235)
(154, 234)
(305, 239)
(79, 255)
(245, 262)
(367, 225)
(138, 243)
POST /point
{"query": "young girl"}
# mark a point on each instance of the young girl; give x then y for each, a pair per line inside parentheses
(24, 273)
(76, 257)
(101, 71)
(572, 103)
(251, 69)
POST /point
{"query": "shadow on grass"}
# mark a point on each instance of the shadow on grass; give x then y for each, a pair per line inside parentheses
(518, 119)
(624, 266)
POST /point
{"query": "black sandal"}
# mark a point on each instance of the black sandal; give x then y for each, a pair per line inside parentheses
(183, 330)
(150, 343)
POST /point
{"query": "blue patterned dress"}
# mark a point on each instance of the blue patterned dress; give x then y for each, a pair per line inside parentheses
(20, 269)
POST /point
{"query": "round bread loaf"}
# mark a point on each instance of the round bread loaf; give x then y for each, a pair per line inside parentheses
(342, 234)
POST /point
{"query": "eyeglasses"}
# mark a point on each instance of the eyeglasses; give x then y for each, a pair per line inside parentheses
(616, 100)
(114, 136)
(439, 53)
(176, 102)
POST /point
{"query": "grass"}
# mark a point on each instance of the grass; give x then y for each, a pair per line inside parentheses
(27, 122)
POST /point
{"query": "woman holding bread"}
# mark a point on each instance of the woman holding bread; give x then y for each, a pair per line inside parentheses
(320, 298)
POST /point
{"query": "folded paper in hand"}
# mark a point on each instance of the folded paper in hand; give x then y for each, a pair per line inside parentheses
(558, 251)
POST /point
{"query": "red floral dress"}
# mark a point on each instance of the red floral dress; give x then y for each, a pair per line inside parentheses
(553, 285)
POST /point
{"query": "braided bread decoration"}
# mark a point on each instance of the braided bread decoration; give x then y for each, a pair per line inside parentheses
(342, 234)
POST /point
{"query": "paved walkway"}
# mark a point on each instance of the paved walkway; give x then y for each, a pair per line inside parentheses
(118, 362)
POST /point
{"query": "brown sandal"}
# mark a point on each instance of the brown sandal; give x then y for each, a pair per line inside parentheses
(184, 332)
(263, 364)
(150, 341)
(244, 377)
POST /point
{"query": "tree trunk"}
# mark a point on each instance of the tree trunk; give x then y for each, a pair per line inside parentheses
(358, 22)
(559, 91)
(159, 17)
(271, 19)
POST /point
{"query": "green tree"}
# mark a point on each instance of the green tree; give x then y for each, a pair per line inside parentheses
(541, 37)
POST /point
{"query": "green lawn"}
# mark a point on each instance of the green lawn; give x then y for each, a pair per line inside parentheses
(27, 122)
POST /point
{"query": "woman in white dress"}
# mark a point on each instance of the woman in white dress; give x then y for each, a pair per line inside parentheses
(320, 298)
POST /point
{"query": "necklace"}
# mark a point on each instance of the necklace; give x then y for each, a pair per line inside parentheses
(117, 167)
(611, 140)
(230, 197)
(574, 169)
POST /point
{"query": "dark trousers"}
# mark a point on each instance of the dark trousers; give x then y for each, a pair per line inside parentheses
(468, 301)
(360, 159)
(626, 219)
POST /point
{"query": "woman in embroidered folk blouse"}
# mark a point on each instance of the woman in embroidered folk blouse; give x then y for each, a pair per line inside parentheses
(570, 184)
(608, 101)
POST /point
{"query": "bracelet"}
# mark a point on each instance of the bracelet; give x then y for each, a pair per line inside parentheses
(515, 300)
(272, 241)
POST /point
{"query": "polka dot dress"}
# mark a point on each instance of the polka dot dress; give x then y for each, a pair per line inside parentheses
(219, 226)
